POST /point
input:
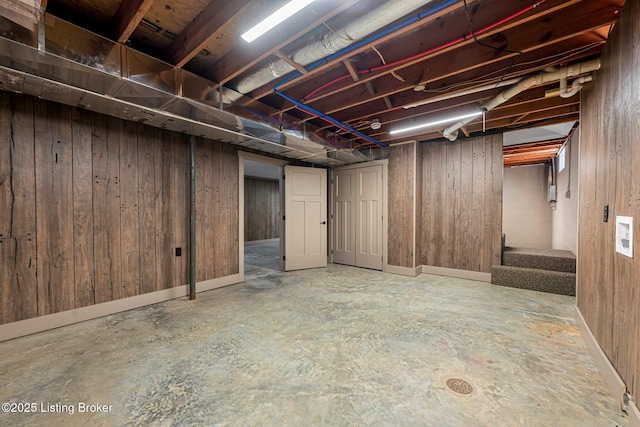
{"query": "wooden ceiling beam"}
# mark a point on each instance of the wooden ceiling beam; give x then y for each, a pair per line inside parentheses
(266, 90)
(128, 16)
(469, 58)
(238, 61)
(208, 25)
(290, 61)
(566, 112)
(406, 97)
(448, 29)
(352, 70)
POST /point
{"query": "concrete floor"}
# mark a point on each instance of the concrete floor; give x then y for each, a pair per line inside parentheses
(335, 346)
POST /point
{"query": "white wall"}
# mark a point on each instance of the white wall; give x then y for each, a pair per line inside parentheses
(526, 214)
(565, 216)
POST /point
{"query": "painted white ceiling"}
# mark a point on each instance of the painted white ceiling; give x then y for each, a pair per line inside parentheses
(261, 170)
(542, 133)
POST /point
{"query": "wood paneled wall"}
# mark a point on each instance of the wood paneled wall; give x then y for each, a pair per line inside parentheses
(608, 295)
(400, 223)
(461, 215)
(261, 209)
(92, 208)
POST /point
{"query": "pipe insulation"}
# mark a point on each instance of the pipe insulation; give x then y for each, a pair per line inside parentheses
(333, 41)
(540, 78)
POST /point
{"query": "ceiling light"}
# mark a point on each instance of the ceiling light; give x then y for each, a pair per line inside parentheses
(375, 124)
(275, 18)
(437, 122)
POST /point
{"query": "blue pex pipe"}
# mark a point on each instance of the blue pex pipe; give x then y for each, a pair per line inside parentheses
(367, 40)
(329, 119)
(348, 49)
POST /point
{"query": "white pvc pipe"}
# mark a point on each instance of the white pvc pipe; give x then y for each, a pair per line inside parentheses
(538, 79)
(464, 92)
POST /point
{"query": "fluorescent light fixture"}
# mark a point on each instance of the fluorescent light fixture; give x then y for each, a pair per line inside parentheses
(277, 17)
(437, 122)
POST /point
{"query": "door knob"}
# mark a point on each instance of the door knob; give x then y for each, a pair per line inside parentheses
(323, 222)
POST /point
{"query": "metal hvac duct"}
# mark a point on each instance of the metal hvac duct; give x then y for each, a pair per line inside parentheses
(82, 69)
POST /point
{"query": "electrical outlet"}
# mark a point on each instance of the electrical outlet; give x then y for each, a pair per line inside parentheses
(605, 216)
(178, 251)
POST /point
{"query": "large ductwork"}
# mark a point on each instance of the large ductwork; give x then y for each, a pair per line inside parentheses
(369, 22)
(538, 79)
(78, 68)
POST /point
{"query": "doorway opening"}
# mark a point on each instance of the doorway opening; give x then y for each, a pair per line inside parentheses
(261, 194)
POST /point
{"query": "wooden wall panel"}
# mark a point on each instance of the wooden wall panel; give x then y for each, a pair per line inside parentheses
(54, 209)
(607, 294)
(261, 209)
(400, 202)
(83, 209)
(129, 205)
(18, 298)
(419, 159)
(94, 208)
(182, 206)
(165, 208)
(462, 203)
(217, 193)
(106, 213)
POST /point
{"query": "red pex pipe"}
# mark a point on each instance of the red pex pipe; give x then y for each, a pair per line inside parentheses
(429, 51)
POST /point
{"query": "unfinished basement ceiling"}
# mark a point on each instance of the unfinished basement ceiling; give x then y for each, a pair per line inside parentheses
(458, 55)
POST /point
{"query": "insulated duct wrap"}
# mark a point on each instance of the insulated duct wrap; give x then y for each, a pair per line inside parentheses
(333, 41)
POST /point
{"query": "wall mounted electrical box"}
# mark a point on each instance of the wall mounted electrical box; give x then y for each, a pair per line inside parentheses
(624, 235)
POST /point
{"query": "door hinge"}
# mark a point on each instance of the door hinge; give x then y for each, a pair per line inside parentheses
(283, 217)
(284, 176)
(284, 258)
(331, 216)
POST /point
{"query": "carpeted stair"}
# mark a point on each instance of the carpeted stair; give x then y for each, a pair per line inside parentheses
(541, 270)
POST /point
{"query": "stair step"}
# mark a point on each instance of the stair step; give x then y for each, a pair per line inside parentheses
(541, 259)
(555, 282)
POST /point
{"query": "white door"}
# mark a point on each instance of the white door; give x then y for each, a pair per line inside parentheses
(305, 218)
(344, 215)
(369, 217)
(357, 217)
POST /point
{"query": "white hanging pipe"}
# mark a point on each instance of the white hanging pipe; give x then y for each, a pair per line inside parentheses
(543, 77)
(575, 86)
(463, 93)
(333, 41)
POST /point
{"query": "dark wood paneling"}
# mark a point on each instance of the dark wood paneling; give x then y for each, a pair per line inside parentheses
(261, 209)
(462, 203)
(419, 159)
(106, 213)
(607, 294)
(129, 205)
(83, 209)
(54, 208)
(103, 203)
(182, 205)
(400, 203)
(165, 210)
(217, 193)
(18, 298)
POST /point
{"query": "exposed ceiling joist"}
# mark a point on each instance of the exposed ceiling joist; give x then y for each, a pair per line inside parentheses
(208, 25)
(128, 16)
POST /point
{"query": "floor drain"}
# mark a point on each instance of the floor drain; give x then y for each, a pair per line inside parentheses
(459, 386)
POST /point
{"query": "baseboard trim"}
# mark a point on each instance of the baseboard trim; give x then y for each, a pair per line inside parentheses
(57, 320)
(459, 274)
(261, 242)
(611, 377)
(634, 415)
(404, 271)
